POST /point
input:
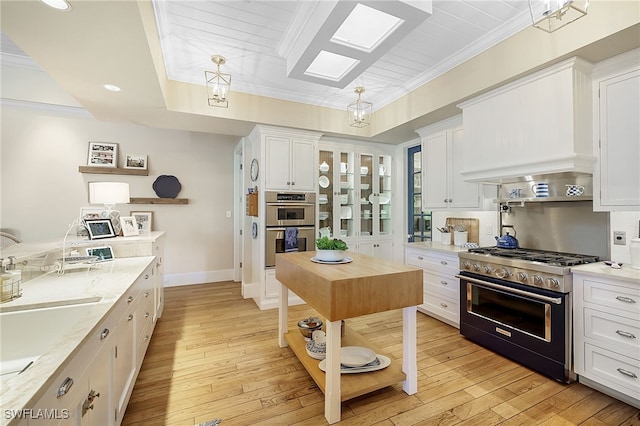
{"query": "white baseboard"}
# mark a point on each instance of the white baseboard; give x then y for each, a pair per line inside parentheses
(203, 277)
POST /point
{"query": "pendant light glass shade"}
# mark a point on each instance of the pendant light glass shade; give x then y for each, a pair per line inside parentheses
(359, 111)
(218, 84)
(551, 15)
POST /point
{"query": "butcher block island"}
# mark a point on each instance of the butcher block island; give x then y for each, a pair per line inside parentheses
(367, 285)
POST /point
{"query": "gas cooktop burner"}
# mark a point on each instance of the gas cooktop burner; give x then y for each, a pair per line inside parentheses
(542, 256)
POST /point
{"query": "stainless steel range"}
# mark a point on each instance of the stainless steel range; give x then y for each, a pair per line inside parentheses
(517, 302)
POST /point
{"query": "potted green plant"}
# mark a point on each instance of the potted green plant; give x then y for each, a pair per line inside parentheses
(330, 250)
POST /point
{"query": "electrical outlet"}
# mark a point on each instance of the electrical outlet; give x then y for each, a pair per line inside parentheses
(619, 238)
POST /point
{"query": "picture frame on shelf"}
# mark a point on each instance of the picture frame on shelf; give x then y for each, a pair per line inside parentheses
(88, 213)
(103, 154)
(99, 228)
(144, 221)
(129, 226)
(135, 161)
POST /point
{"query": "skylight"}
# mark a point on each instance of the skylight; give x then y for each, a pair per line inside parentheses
(365, 28)
(330, 66)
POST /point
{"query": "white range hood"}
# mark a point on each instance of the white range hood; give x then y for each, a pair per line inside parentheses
(538, 125)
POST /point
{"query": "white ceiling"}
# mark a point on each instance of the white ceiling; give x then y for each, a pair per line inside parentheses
(157, 52)
(248, 34)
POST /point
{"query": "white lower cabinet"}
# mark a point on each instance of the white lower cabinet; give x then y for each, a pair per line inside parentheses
(606, 319)
(95, 386)
(441, 287)
(380, 249)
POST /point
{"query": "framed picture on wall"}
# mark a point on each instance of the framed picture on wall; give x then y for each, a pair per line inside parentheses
(129, 226)
(103, 154)
(135, 161)
(144, 221)
(99, 228)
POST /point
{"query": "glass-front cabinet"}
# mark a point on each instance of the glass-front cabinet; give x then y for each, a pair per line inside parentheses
(355, 197)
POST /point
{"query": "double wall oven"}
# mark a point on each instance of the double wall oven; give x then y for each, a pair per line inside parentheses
(289, 214)
(517, 302)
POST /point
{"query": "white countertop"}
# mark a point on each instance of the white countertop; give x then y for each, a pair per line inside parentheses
(600, 269)
(434, 245)
(109, 282)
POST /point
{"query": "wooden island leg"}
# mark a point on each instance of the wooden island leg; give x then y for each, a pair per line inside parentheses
(283, 314)
(332, 396)
(409, 347)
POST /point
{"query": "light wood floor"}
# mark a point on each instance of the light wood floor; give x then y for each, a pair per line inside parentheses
(215, 355)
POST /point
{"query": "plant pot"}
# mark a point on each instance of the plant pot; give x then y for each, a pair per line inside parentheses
(330, 255)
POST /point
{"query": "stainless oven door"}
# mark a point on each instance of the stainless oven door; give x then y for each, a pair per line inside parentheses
(275, 242)
(301, 214)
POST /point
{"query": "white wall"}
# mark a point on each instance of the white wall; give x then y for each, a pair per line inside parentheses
(42, 190)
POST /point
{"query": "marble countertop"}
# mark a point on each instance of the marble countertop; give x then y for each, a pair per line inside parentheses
(106, 283)
(434, 245)
(600, 269)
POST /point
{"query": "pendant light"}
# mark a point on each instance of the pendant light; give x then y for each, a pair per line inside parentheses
(359, 111)
(218, 84)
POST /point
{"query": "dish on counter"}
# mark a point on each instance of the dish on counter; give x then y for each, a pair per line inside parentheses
(324, 181)
(332, 262)
(356, 356)
(379, 363)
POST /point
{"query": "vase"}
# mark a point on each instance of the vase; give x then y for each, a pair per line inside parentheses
(330, 255)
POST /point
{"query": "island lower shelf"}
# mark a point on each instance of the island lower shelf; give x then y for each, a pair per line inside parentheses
(351, 385)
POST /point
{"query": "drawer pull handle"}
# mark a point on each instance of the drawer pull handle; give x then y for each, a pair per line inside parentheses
(625, 299)
(444, 262)
(129, 299)
(146, 314)
(626, 334)
(444, 305)
(627, 373)
(146, 294)
(420, 258)
(443, 282)
(64, 387)
(130, 317)
(146, 277)
(104, 334)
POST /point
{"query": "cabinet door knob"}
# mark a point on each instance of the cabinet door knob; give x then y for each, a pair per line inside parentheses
(130, 317)
(129, 299)
(446, 201)
(104, 334)
(146, 277)
(420, 258)
(64, 387)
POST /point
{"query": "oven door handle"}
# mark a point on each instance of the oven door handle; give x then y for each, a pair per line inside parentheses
(554, 300)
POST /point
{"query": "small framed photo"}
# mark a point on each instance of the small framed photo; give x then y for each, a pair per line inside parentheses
(129, 226)
(144, 221)
(104, 254)
(135, 161)
(99, 228)
(103, 154)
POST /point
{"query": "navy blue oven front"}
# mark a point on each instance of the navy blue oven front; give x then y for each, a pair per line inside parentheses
(530, 325)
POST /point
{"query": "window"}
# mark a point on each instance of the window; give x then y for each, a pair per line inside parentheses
(419, 222)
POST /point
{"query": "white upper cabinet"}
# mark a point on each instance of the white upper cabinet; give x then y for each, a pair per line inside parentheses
(289, 158)
(539, 124)
(443, 185)
(616, 180)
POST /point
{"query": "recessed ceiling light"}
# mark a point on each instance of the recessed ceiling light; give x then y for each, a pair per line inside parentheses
(330, 66)
(57, 4)
(112, 87)
(365, 28)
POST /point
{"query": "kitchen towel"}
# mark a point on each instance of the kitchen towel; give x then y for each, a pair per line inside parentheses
(290, 239)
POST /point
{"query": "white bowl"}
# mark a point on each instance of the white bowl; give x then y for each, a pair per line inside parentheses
(330, 255)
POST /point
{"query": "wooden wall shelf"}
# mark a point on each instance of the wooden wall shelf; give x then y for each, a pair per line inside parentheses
(112, 171)
(141, 200)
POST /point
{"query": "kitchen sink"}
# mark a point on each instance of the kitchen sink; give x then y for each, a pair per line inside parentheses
(27, 334)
